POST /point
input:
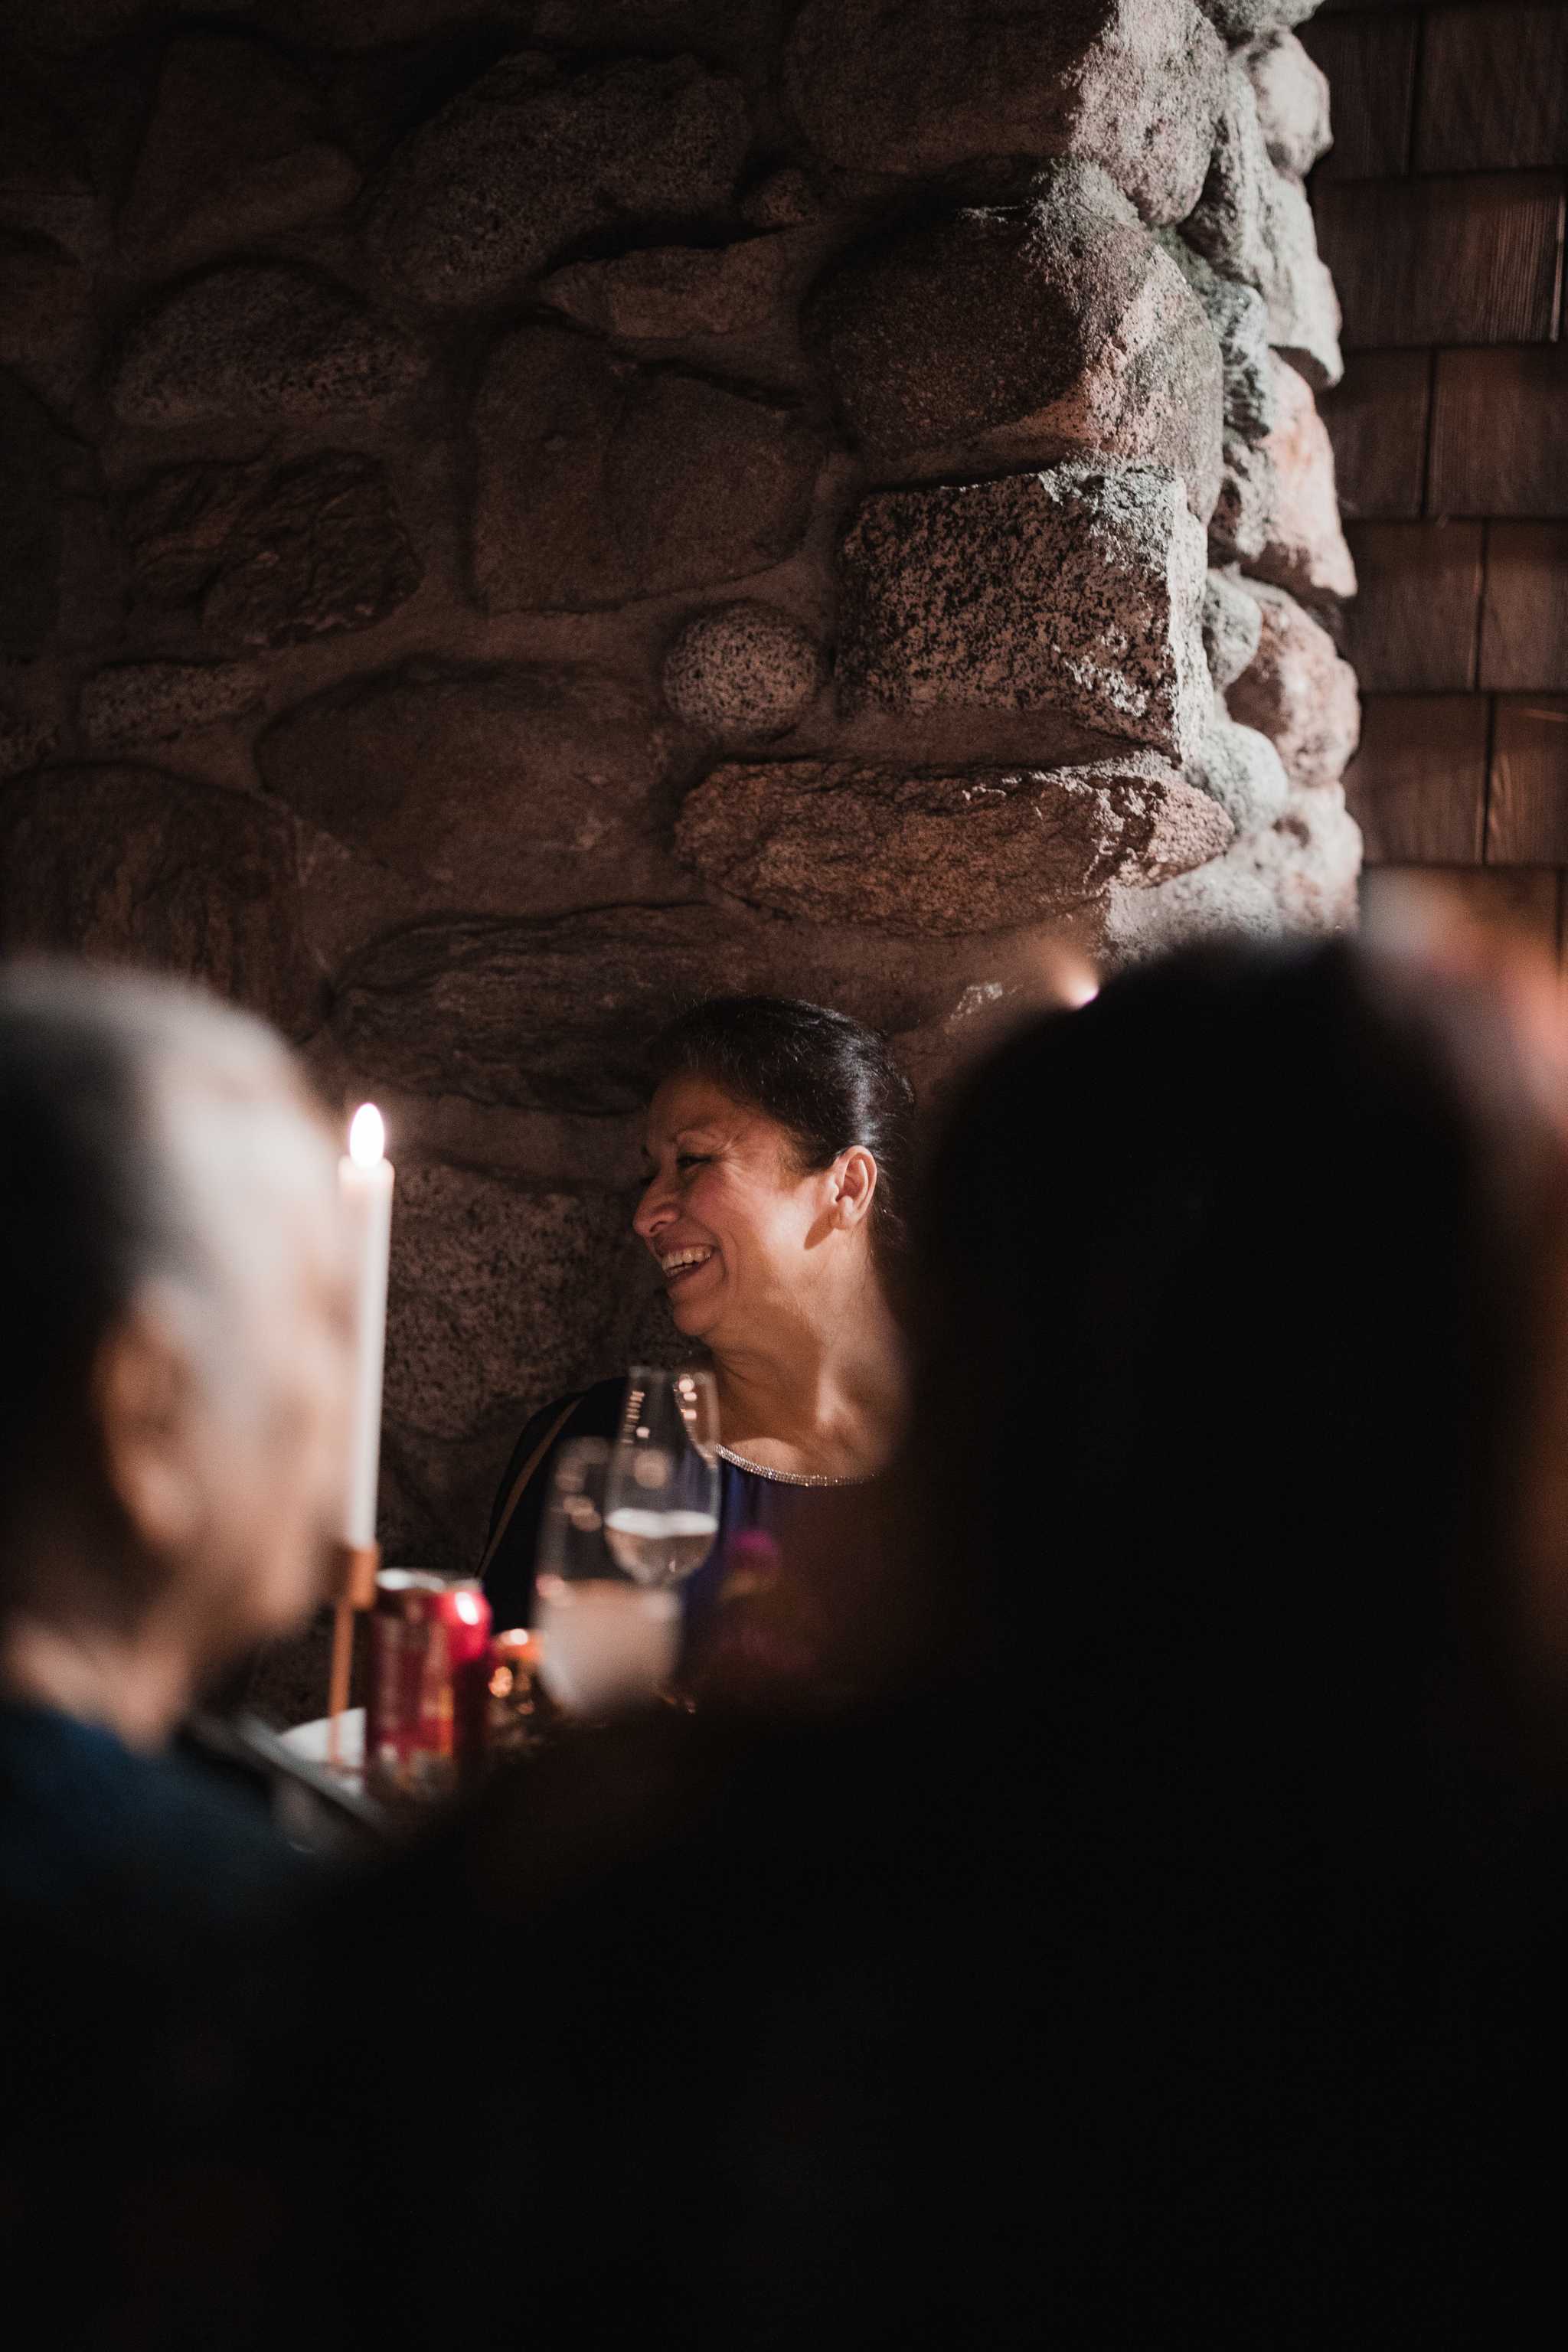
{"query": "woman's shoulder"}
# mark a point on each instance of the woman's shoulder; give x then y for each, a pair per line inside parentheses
(515, 1513)
(593, 1411)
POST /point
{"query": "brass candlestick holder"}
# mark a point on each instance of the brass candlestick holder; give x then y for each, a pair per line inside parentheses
(352, 1589)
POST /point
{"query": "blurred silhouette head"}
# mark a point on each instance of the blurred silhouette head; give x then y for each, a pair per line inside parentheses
(1242, 1313)
(778, 1143)
(173, 1318)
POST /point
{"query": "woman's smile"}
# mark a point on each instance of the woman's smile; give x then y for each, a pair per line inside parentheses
(678, 1265)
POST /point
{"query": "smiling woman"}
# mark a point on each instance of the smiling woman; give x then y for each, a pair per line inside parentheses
(777, 1148)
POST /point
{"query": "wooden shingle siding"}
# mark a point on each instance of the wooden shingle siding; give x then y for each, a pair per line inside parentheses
(1524, 608)
(1371, 64)
(1377, 421)
(1471, 260)
(1494, 90)
(1417, 786)
(1499, 434)
(1441, 211)
(1527, 821)
(1415, 620)
(1512, 898)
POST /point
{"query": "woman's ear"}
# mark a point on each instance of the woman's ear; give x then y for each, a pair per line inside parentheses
(143, 1395)
(854, 1184)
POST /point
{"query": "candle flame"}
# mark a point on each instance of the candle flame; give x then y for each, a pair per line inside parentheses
(367, 1137)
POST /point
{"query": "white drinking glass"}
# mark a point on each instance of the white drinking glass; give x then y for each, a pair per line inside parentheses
(662, 1492)
(609, 1643)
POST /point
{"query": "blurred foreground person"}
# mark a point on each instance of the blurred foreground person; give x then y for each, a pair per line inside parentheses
(173, 1342)
(1168, 1952)
(1239, 1452)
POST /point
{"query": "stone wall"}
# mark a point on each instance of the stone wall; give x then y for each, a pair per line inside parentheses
(514, 517)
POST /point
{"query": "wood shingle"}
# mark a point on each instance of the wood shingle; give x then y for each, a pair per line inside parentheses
(1417, 785)
(1377, 421)
(1500, 446)
(1416, 619)
(1494, 90)
(1527, 823)
(1472, 260)
(1524, 608)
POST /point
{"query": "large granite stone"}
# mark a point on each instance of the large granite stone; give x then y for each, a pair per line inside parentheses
(745, 30)
(1254, 223)
(24, 740)
(1243, 517)
(273, 555)
(600, 480)
(65, 25)
(743, 671)
(1227, 223)
(787, 197)
(1310, 861)
(44, 306)
(1296, 877)
(1242, 772)
(1025, 331)
(499, 789)
(493, 1294)
(234, 150)
(33, 458)
(357, 25)
(915, 85)
(151, 702)
(1079, 589)
(1227, 899)
(557, 1013)
(669, 293)
(46, 186)
(936, 1058)
(1303, 308)
(530, 160)
(1292, 95)
(263, 340)
(942, 855)
(1232, 625)
(1313, 858)
(1299, 692)
(129, 864)
(1245, 20)
(1239, 316)
(1304, 546)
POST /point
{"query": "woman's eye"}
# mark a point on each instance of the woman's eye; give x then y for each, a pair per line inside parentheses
(691, 1158)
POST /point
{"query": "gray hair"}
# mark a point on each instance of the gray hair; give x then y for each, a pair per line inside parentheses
(93, 1203)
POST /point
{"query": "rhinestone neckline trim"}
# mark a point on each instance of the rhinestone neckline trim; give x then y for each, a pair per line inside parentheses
(786, 1477)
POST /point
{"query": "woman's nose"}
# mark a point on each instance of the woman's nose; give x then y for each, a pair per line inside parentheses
(653, 1210)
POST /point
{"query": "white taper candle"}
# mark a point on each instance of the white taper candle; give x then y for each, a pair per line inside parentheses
(364, 1179)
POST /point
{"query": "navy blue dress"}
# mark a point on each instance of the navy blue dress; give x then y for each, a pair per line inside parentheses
(749, 1498)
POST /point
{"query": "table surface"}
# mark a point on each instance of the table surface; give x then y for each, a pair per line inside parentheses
(309, 1740)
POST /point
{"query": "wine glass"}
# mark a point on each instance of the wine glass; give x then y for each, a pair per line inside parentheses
(609, 1643)
(661, 1494)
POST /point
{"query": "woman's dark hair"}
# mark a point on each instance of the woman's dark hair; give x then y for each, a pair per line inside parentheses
(829, 1080)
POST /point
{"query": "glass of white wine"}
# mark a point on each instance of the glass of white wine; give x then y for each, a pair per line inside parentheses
(608, 1643)
(661, 1495)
